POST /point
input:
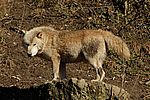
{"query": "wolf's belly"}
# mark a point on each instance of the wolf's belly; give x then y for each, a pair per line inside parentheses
(68, 58)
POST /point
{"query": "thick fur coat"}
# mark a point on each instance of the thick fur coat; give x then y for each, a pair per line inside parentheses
(72, 46)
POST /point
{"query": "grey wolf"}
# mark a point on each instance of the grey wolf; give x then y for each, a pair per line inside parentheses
(72, 46)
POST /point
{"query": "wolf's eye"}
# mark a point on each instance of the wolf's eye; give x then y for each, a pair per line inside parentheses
(34, 44)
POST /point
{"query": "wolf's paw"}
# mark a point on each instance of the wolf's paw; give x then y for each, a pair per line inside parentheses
(47, 81)
(55, 80)
(96, 80)
(52, 81)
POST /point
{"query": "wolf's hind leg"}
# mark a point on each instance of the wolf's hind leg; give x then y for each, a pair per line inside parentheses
(98, 66)
(94, 63)
(97, 74)
(102, 71)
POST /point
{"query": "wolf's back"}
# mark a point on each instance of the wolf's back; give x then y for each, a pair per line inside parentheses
(116, 44)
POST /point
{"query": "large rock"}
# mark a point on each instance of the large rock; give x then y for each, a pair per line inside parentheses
(73, 89)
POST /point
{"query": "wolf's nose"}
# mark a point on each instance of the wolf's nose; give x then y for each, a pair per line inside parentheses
(29, 55)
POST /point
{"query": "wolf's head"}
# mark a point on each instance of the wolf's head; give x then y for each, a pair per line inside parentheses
(36, 45)
(29, 35)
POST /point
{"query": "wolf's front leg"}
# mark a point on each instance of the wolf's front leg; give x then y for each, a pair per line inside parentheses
(56, 62)
(63, 70)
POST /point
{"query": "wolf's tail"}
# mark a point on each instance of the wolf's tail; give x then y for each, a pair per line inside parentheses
(116, 44)
(17, 30)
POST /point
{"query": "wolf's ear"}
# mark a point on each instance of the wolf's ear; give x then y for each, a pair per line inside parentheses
(39, 35)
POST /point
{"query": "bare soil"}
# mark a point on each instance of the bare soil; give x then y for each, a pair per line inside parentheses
(17, 69)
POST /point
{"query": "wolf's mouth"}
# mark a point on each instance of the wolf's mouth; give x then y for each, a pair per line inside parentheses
(40, 51)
